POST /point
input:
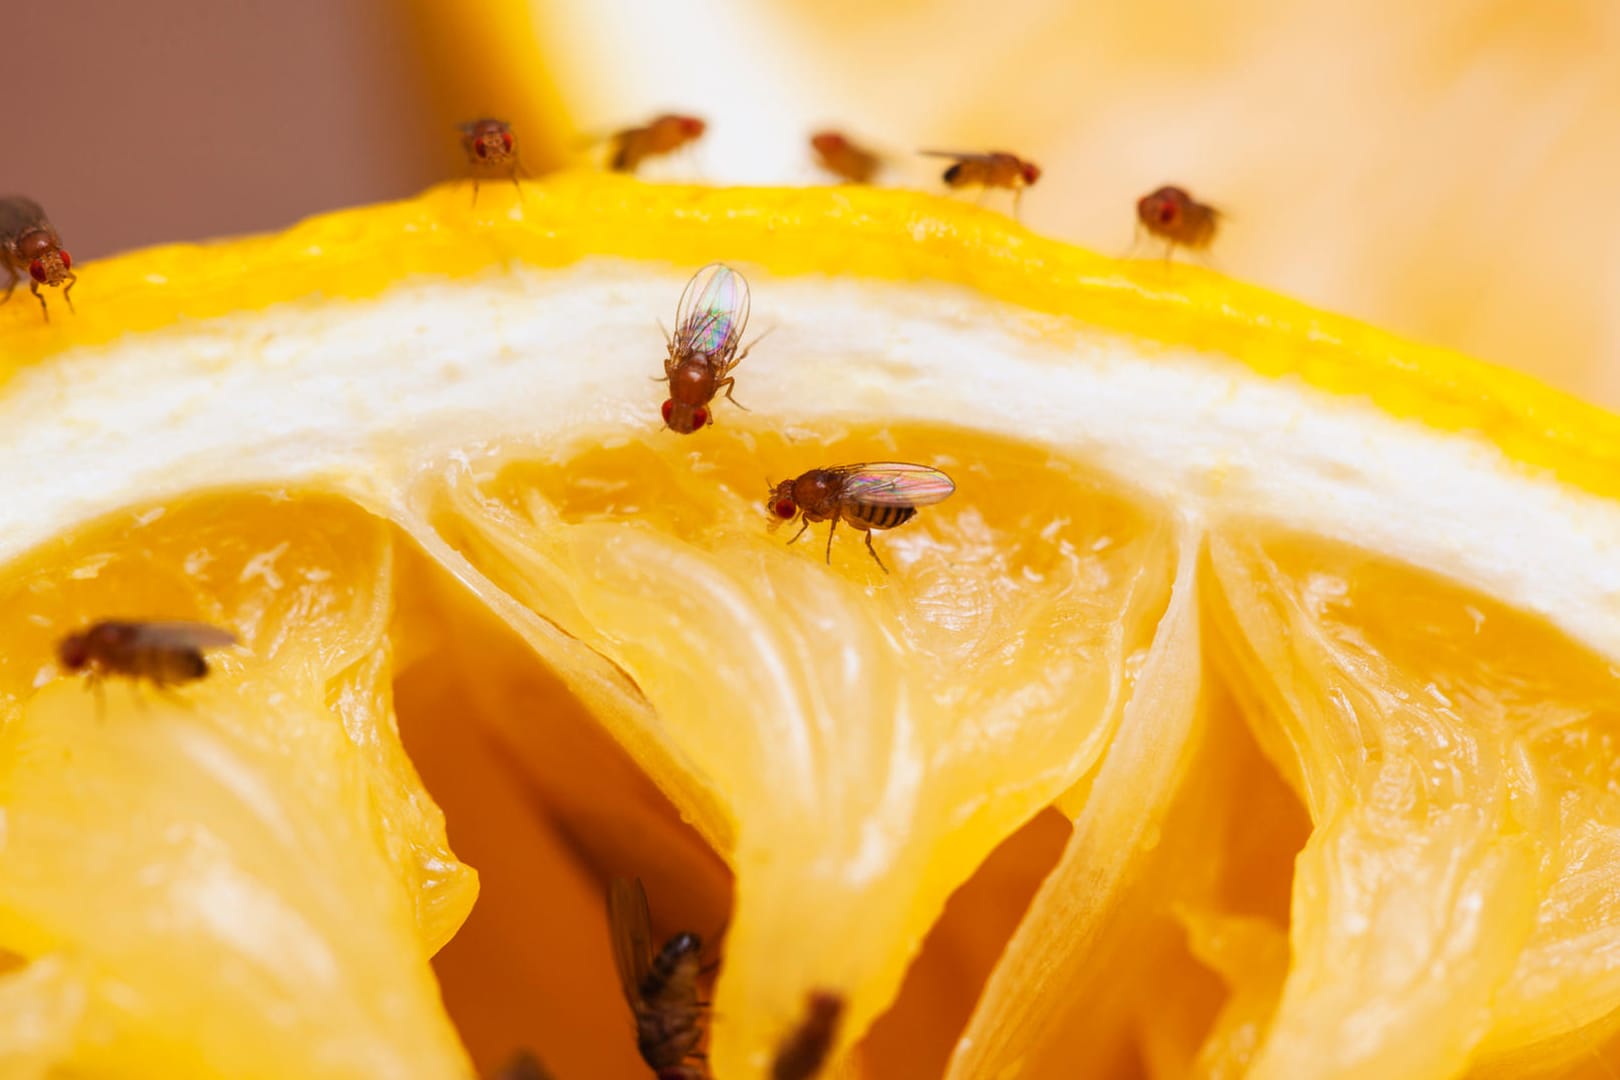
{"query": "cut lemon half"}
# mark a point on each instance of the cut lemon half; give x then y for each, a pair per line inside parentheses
(1249, 709)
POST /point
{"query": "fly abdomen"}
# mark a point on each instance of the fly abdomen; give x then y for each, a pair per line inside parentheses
(189, 664)
(874, 516)
(676, 962)
(167, 666)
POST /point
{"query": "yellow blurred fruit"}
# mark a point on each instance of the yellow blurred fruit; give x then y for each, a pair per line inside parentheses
(1249, 709)
(1358, 153)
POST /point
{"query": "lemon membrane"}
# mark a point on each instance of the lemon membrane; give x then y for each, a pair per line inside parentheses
(1153, 466)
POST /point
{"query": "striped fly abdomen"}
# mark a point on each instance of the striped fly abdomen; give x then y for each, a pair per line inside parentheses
(871, 516)
(872, 496)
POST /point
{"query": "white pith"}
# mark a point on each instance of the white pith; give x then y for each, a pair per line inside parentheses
(357, 396)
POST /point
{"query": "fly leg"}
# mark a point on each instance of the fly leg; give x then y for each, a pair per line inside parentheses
(92, 683)
(800, 533)
(11, 285)
(67, 290)
(690, 160)
(33, 287)
(746, 349)
(873, 550)
(167, 691)
(830, 531)
(726, 385)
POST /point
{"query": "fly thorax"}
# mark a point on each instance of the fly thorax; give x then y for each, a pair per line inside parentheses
(816, 494)
(35, 244)
(693, 382)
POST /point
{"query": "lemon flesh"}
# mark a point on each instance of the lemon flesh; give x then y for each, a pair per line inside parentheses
(1175, 532)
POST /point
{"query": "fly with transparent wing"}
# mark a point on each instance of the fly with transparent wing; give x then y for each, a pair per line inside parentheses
(31, 248)
(997, 168)
(661, 987)
(165, 653)
(703, 350)
(870, 496)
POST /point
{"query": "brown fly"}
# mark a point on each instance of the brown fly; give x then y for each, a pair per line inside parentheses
(804, 1052)
(490, 145)
(880, 495)
(661, 987)
(30, 246)
(165, 654)
(663, 135)
(1178, 219)
(996, 169)
(703, 350)
(844, 159)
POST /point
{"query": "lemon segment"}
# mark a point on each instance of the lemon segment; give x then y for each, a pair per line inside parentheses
(198, 857)
(857, 750)
(1399, 561)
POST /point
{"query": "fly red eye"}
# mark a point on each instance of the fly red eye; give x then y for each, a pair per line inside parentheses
(67, 260)
(1167, 213)
(506, 140)
(36, 270)
(669, 407)
(785, 508)
(700, 416)
(480, 149)
(1032, 172)
(692, 126)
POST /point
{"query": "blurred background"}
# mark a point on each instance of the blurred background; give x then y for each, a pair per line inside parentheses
(1442, 169)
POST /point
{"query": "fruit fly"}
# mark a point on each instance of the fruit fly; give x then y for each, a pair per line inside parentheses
(661, 987)
(994, 169)
(880, 495)
(29, 245)
(805, 1050)
(522, 1065)
(665, 134)
(709, 322)
(489, 143)
(836, 154)
(1178, 219)
(164, 653)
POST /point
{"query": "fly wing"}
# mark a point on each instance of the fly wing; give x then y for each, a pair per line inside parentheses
(631, 925)
(956, 155)
(181, 635)
(18, 213)
(712, 312)
(895, 483)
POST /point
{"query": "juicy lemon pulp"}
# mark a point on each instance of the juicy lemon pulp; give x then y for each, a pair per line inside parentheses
(1217, 725)
(851, 713)
(199, 860)
(1356, 675)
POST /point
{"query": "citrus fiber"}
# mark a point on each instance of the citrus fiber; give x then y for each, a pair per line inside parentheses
(1266, 658)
